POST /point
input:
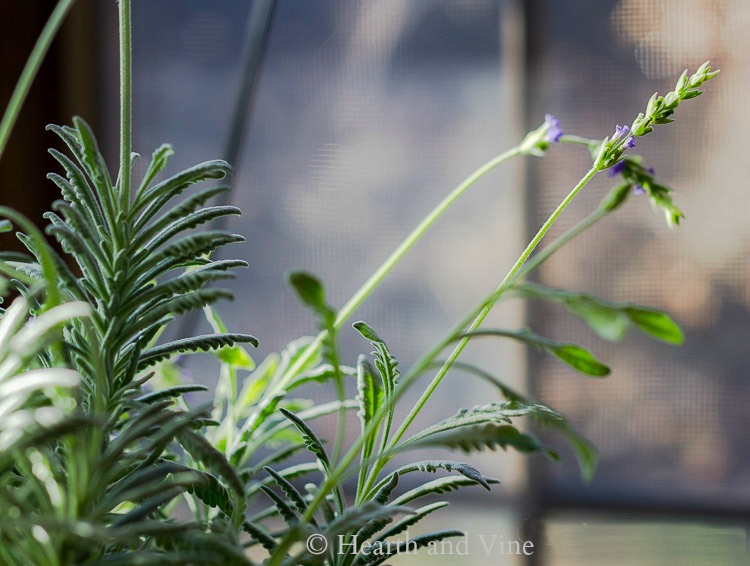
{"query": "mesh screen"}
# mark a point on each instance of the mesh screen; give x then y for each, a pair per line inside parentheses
(366, 115)
(669, 419)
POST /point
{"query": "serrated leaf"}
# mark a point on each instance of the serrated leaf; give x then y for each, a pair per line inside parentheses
(309, 437)
(151, 200)
(179, 304)
(438, 487)
(384, 492)
(492, 413)
(387, 366)
(370, 397)
(202, 343)
(290, 473)
(260, 535)
(485, 436)
(354, 518)
(159, 160)
(190, 221)
(202, 450)
(194, 245)
(289, 516)
(584, 450)
(293, 496)
(315, 446)
(180, 210)
(384, 360)
(433, 466)
(169, 393)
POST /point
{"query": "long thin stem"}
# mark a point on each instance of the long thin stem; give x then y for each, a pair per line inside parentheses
(584, 224)
(522, 266)
(475, 319)
(377, 277)
(592, 143)
(504, 285)
(564, 238)
(30, 70)
(381, 272)
(126, 103)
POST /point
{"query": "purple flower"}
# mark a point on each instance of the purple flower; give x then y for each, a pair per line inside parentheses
(617, 168)
(639, 190)
(622, 132)
(554, 131)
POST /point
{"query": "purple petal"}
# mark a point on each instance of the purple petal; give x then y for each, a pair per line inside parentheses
(554, 131)
(617, 168)
(620, 132)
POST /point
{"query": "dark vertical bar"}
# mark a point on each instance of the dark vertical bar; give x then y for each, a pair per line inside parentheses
(65, 85)
(533, 511)
(259, 23)
(258, 27)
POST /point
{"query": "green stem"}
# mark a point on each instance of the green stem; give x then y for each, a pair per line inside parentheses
(504, 285)
(377, 277)
(580, 140)
(475, 319)
(564, 238)
(126, 103)
(30, 71)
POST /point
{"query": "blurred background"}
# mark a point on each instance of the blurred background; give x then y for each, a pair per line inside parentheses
(348, 120)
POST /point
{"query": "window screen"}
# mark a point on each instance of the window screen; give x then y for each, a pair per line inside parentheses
(669, 420)
(367, 113)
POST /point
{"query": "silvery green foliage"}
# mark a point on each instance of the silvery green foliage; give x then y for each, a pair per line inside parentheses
(138, 264)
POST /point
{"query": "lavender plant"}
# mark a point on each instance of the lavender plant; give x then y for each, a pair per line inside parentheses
(102, 457)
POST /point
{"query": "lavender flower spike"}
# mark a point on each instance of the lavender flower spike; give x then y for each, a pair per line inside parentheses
(554, 131)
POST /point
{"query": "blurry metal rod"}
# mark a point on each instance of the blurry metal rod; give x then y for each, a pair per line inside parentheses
(256, 37)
